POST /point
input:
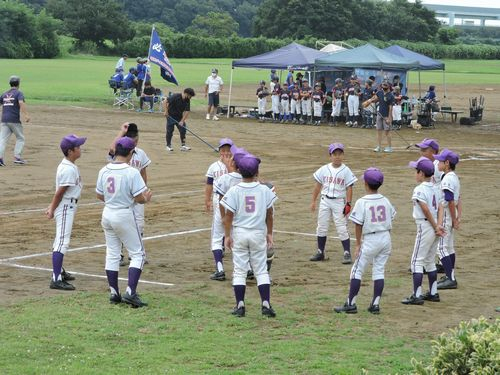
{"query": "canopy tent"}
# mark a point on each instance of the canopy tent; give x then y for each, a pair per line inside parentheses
(331, 48)
(425, 62)
(293, 56)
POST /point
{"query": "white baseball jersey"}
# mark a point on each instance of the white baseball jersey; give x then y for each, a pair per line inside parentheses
(426, 193)
(68, 175)
(249, 202)
(438, 175)
(451, 182)
(335, 181)
(120, 184)
(216, 170)
(226, 182)
(214, 84)
(140, 159)
(374, 212)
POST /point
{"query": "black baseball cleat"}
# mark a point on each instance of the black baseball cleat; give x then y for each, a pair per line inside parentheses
(250, 275)
(268, 311)
(413, 300)
(219, 276)
(440, 268)
(61, 285)
(318, 257)
(115, 299)
(446, 283)
(374, 309)
(348, 309)
(431, 297)
(133, 300)
(239, 311)
(347, 258)
(66, 276)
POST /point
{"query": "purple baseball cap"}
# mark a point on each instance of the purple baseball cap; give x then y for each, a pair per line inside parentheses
(126, 143)
(373, 176)
(225, 141)
(335, 146)
(248, 164)
(448, 155)
(71, 141)
(237, 153)
(429, 142)
(423, 164)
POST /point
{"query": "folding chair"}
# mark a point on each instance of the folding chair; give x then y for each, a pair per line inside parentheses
(115, 86)
(158, 99)
(124, 99)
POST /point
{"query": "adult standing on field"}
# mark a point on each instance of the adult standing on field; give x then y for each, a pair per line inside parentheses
(176, 109)
(213, 88)
(13, 104)
(120, 65)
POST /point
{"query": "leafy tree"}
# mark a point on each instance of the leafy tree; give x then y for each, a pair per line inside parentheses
(219, 25)
(91, 20)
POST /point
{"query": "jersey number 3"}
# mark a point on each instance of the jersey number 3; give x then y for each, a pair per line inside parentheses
(378, 214)
(110, 185)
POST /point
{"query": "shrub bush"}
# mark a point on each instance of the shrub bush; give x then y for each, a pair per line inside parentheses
(472, 348)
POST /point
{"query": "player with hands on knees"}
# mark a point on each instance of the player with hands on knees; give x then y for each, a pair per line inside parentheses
(335, 182)
(63, 208)
(373, 215)
(426, 204)
(248, 224)
(120, 186)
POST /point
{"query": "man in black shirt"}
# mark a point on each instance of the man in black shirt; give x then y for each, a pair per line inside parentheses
(176, 109)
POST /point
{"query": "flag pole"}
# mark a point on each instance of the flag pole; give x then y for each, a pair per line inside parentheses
(149, 49)
(230, 91)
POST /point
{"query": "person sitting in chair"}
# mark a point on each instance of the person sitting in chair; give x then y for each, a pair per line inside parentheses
(130, 80)
(147, 95)
(115, 80)
(431, 101)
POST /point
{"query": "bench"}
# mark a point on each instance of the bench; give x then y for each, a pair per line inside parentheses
(233, 110)
(453, 114)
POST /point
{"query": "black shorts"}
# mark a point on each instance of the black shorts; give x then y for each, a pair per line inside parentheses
(213, 99)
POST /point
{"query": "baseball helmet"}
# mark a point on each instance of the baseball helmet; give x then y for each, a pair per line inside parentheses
(338, 80)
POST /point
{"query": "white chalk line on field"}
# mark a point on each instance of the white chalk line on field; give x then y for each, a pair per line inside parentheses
(83, 274)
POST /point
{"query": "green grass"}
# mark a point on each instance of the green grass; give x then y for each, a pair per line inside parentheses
(82, 80)
(82, 334)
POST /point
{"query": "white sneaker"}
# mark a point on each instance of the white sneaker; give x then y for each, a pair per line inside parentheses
(208, 116)
(169, 148)
(215, 118)
(185, 148)
(388, 149)
(377, 149)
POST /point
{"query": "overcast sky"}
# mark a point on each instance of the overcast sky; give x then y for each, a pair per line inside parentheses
(470, 3)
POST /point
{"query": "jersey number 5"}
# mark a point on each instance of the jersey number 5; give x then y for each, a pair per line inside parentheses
(378, 214)
(110, 185)
(250, 203)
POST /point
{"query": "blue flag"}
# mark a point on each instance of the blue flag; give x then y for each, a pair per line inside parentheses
(158, 56)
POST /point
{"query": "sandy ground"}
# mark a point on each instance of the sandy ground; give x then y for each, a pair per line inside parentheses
(290, 155)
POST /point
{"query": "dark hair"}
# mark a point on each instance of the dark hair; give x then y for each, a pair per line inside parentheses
(396, 77)
(147, 83)
(374, 186)
(132, 131)
(246, 174)
(122, 151)
(372, 78)
(14, 82)
(432, 88)
(425, 174)
(452, 166)
(189, 91)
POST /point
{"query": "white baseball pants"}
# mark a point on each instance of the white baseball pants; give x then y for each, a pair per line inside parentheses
(275, 104)
(446, 244)
(336, 106)
(396, 112)
(217, 233)
(318, 109)
(424, 251)
(64, 215)
(139, 217)
(307, 107)
(249, 246)
(353, 105)
(261, 104)
(285, 107)
(332, 208)
(375, 249)
(295, 107)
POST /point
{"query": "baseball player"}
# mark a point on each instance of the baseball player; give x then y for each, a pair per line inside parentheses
(139, 161)
(63, 208)
(295, 107)
(429, 148)
(275, 99)
(353, 91)
(248, 224)
(385, 100)
(214, 173)
(450, 220)
(318, 100)
(337, 93)
(367, 113)
(373, 215)
(425, 212)
(262, 93)
(334, 181)
(305, 95)
(119, 186)
(285, 104)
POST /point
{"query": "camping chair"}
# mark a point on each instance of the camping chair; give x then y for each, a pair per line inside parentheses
(158, 99)
(115, 86)
(124, 99)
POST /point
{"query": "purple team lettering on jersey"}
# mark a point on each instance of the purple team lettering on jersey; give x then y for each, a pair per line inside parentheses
(333, 180)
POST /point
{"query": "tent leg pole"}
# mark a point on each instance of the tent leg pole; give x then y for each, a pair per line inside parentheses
(230, 91)
(419, 86)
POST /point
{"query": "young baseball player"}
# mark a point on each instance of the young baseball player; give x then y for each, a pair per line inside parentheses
(450, 220)
(248, 226)
(373, 215)
(369, 111)
(63, 208)
(119, 186)
(318, 99)
(214, 173)
(285, 104)
(426, 201)
(337, 94)
(397, 109)
(334, 181)
(429, 148)
(353, 92)
(275, 99)
(305, 95)
(295, 106)
(139, 161)
(262, 93)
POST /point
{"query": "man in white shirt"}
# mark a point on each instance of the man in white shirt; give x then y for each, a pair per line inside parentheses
(120, 65)
(213, 87)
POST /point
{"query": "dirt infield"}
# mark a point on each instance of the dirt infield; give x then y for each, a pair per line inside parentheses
(290, 155)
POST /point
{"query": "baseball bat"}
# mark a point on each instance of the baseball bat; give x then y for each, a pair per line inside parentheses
(193, 133)
(395, 131)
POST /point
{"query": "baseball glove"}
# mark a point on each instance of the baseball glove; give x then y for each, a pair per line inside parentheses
(347, 209)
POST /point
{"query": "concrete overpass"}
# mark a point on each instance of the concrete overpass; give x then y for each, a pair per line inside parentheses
(465, 13)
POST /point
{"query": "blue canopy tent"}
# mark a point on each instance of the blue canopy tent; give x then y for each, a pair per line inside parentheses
(293, 56)
(424, 62)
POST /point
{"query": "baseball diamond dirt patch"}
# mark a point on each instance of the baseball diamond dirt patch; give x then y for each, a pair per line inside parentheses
(290, 154)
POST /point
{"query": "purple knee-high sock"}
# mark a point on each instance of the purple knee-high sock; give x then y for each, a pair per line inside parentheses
(452, 258)
(239, 293)
(133, 279)
(217, 258)
(417, 281)
(346, 244)
(113, 281)
(321, 243)
(432, 276)
(446, 262)
(353, 291)
(378, 287)
(57, 261)
(265, 292)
